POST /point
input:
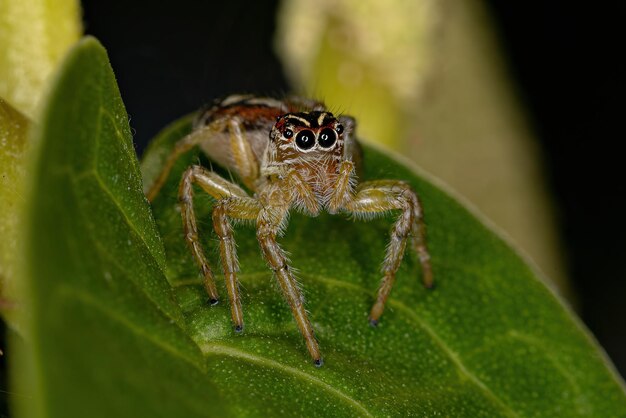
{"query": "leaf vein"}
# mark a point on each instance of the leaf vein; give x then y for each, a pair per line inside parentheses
(454, 357)
(222, 349)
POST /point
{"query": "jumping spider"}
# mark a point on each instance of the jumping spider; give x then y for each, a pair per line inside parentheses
(290, 153)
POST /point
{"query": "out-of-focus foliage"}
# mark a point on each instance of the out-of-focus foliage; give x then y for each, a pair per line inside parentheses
(369, 58)
(119, 331)
(426, 77)
(34, 36)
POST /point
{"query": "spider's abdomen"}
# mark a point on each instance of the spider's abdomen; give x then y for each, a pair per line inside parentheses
(256, 117)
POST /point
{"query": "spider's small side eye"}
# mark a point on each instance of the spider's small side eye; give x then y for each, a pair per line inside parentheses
(328, 137)
(305, 139)
(288, 133)
(339, 129)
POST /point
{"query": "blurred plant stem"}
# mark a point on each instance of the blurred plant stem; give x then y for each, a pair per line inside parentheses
(428, 79)
(13, 145)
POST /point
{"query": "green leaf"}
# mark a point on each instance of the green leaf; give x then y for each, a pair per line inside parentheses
(108, 338)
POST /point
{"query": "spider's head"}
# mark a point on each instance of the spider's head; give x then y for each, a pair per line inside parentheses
(307, 132)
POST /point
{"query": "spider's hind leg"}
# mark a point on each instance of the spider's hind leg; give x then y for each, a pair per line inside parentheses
(233, 203)
(183, 145)
(235, 153)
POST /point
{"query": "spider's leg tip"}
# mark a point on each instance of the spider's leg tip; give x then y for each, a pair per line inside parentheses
(213, 301)
(373, 323)
(318, 362)
(238, 329)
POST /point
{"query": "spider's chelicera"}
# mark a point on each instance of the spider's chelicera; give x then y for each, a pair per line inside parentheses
(292, 154)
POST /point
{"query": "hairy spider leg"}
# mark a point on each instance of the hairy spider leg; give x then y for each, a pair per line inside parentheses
(182, 146)
(271, 220)
(246, 164)
(232, 203)
(375, 197)
(418, 240)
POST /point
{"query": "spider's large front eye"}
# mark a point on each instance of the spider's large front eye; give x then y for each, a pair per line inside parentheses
(305, 139)
(327, 138)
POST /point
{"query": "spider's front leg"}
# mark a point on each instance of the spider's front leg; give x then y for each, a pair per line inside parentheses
(269, 223)
(380, 196)
(234, 203)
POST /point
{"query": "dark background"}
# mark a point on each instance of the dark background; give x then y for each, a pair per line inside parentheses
(562, 56)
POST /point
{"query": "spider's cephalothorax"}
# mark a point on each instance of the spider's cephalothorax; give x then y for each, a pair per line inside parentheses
(312, 145)
(292, 154)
